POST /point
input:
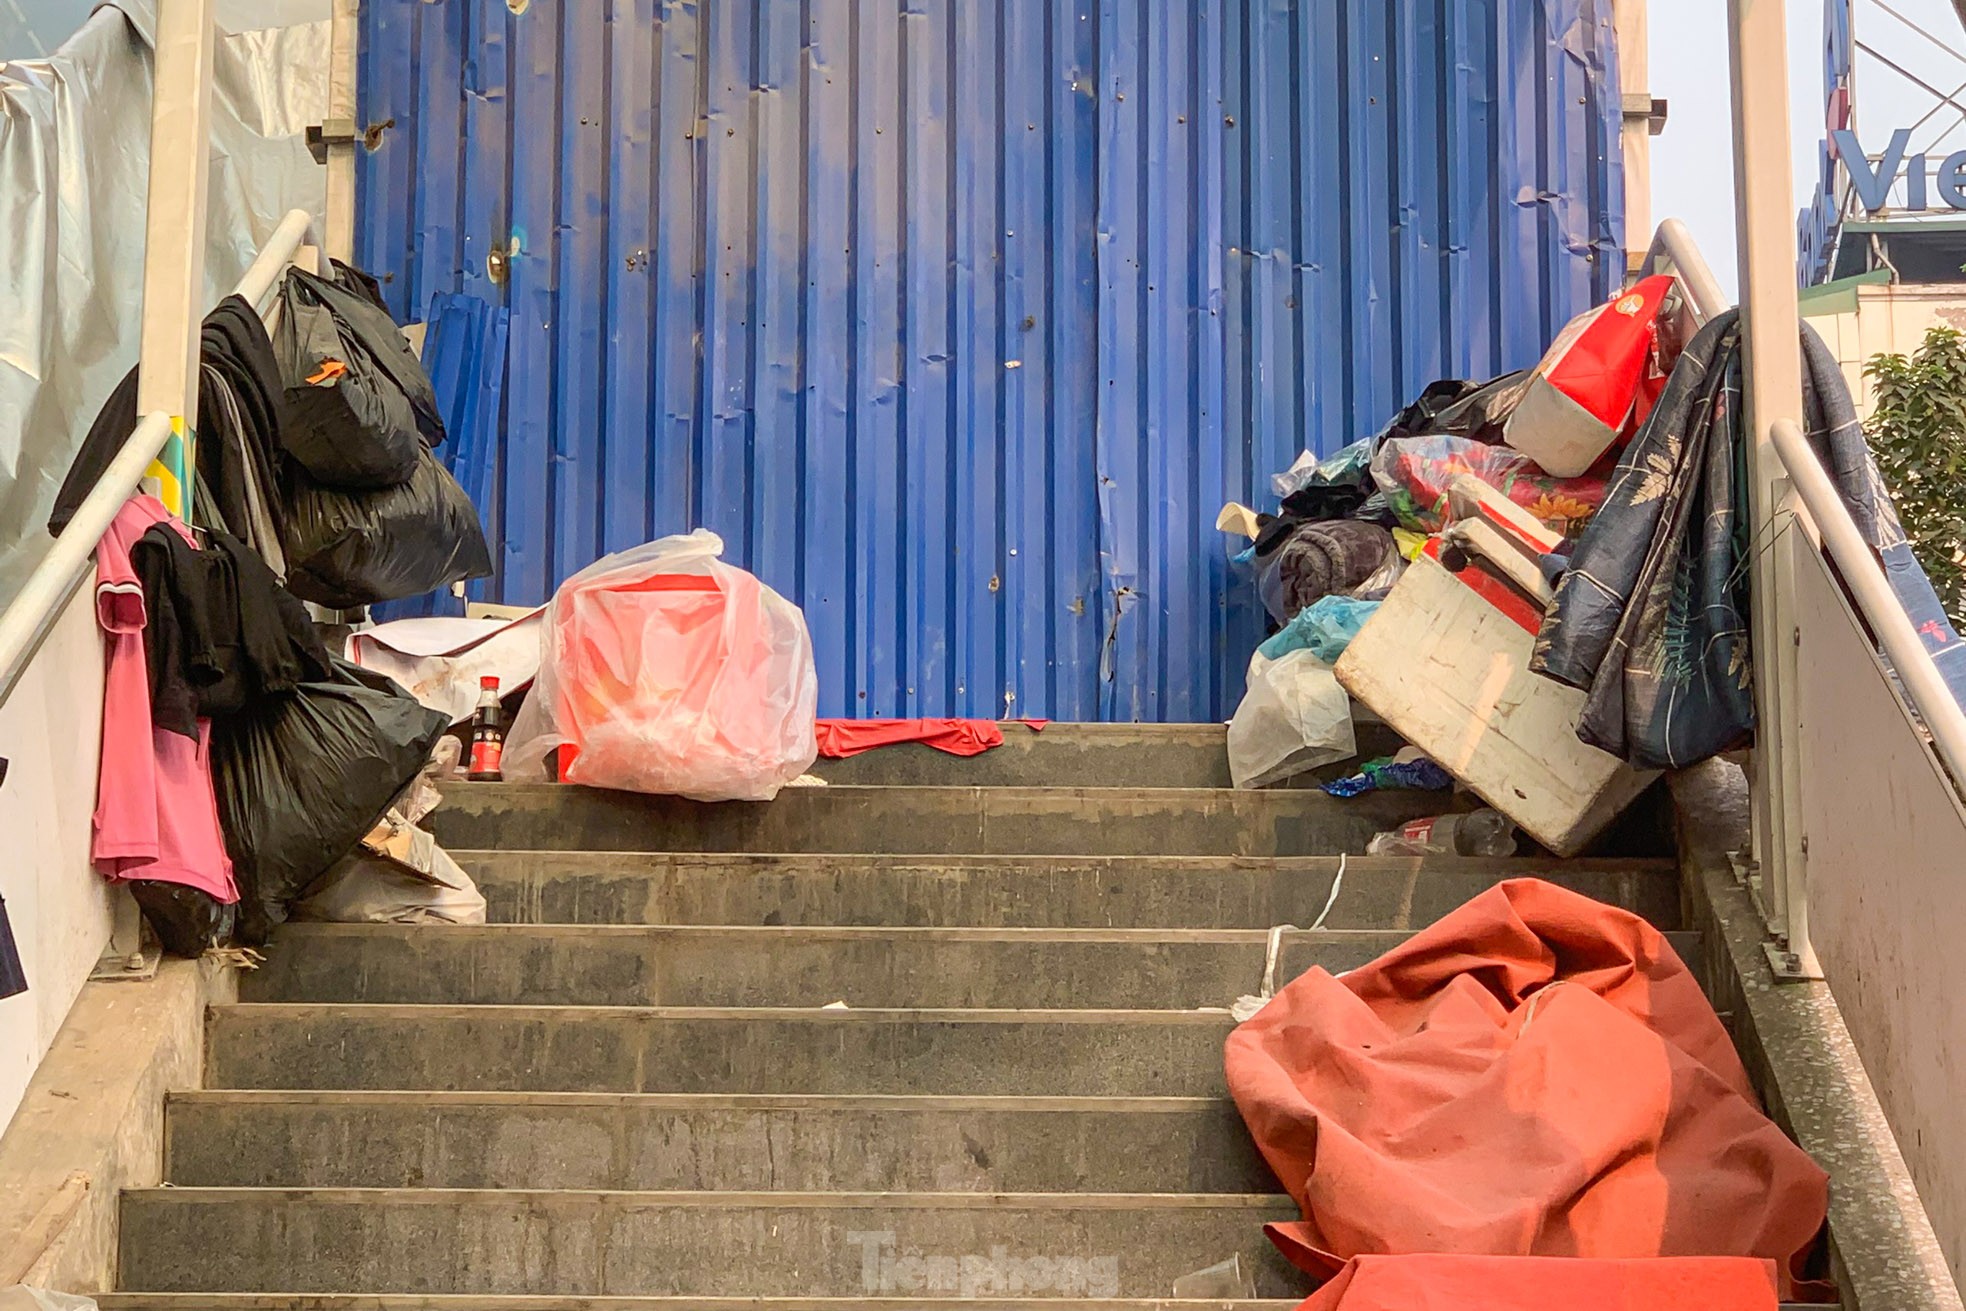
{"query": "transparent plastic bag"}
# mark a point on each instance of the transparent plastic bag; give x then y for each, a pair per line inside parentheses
(1416, 472)
(665, 670)
(1294, 717)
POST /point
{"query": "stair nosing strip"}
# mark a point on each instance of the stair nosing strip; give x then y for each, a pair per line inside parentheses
(414, 1098)
(752, 1200)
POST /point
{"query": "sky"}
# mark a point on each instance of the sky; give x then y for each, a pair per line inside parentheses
(1693, 161)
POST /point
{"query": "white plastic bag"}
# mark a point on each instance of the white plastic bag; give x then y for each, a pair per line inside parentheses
(1294, 717)
(664, 670)
(365, 889)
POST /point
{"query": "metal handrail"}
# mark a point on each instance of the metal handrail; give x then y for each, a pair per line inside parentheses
(1674, 250)
(1868, 586)
(30, 617)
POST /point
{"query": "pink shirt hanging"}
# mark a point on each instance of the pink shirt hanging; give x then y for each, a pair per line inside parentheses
(156, 813)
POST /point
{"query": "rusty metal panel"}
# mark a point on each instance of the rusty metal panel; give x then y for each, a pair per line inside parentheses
(959, 319)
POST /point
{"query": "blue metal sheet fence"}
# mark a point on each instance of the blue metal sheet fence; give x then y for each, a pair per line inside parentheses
(959, 319)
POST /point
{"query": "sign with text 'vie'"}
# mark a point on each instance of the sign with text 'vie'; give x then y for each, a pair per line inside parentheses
(1873, 180)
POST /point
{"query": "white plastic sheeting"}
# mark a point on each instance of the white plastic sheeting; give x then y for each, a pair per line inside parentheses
(74, 151)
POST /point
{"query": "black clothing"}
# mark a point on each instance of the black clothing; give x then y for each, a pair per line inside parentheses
(220, 629)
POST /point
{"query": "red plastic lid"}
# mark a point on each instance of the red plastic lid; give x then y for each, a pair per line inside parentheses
(489, 681)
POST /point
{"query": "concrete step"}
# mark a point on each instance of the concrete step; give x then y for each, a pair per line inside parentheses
(619, 965)
(684, 1244)
(1208, 892)
(722, 1143)
(932, 821)
(1089, 755)
(1080, 1053)
(485, 1302)
(467, 1302)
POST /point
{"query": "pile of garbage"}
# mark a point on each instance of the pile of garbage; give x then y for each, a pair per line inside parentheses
(248, 773)
(1409, 571)
(1540, 581)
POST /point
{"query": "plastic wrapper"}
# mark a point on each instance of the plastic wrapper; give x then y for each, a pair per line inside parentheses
(365, 889)
(1409, 771)
(187, 921)
(1347, 467)
(346, 549)
(1415, 472)
(1324, 629)
(667, 671)
(1294, 717)
(301, 779)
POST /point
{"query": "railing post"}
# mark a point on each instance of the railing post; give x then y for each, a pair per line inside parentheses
(173, 292)
(1771, 324)
(174, 237)
(344, 30)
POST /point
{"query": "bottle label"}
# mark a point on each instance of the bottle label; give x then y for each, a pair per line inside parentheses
(1419, 830)
(487, 754)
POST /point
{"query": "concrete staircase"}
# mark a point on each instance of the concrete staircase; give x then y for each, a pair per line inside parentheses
(631, 1091)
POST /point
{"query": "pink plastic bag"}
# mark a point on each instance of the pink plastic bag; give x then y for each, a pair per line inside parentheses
(664, 670)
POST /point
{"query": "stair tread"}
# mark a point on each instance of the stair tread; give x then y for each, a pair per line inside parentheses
(272, 1301)
(697, 1199)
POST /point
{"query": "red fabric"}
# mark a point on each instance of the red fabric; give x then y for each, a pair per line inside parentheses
(1535, 1075)
(840, 738)
(1540, 1283)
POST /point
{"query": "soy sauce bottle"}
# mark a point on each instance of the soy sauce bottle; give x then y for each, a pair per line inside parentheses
(487, 735)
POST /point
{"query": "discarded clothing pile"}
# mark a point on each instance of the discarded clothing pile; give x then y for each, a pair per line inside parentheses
(238, 449)
(1537, 1074)
(241, 762)
(1664, 567)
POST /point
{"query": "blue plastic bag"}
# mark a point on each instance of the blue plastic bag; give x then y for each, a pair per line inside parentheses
(1324, 628)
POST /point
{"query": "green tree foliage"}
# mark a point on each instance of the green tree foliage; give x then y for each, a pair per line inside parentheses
(1918, 434)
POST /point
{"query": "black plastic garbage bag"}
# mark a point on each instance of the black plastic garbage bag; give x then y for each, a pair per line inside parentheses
(186, 920)
(360, 409)
(346, 549)
(301, 779)
(1459, 408)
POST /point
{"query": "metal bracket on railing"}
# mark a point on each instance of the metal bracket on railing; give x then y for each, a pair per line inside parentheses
(334, 132)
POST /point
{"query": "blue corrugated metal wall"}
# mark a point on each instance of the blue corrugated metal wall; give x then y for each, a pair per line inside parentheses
(959, 319)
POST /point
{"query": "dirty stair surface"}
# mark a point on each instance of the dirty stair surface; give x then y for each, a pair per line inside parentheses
(635, 1090)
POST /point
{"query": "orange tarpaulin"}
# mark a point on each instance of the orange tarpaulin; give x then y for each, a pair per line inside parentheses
(1535, 1075)
(1542, 1283)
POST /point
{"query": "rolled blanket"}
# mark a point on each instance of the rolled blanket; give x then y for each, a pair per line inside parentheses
(1332, 556)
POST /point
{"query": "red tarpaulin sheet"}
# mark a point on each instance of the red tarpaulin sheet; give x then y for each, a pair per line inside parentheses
(840, 738)
(1535, 1075)
(1546, 1283)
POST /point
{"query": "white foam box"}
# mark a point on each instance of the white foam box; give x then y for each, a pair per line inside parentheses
(1449, 671)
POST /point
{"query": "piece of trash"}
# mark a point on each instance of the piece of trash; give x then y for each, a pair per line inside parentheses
(808, 781)
(1226, 1281)
(22, 1298)
(836, 1006)
(1406, 772)
(1238, 519)
(1480, 833)
(1247, 1005)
